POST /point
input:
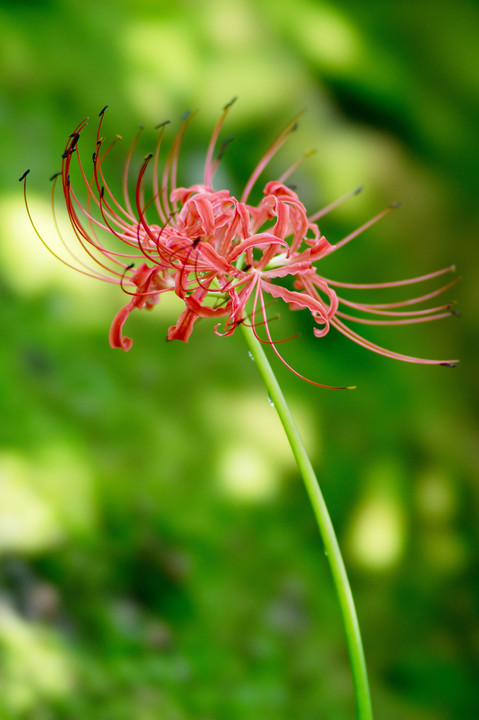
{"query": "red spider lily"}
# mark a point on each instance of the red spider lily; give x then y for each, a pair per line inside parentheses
(220, 255)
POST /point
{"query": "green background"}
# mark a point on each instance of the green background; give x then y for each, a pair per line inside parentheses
(158, 555)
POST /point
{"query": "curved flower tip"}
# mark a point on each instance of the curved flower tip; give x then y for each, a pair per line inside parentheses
(117, 340)
(221, 255)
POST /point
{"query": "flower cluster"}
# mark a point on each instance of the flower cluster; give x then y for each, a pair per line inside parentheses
(221, 255)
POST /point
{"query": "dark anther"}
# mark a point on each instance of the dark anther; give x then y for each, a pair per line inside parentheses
(455, 312)
(129, 267)
(68, 152)
(102, 111)
(186, 115)
(68, 179)
(224, 146)
(76, 138)
(162, 124)
(395, 205)
(358, 190)
(196, 241)
(55, 175)
(24, 175)
(246, 268)
(93, 157)
(294, 127)
(230, 103)
(448, 364)
(102, 191)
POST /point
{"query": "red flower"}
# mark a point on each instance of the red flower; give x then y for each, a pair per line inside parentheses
(217, 253)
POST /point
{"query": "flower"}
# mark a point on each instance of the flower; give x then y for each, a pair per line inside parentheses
(219, 254)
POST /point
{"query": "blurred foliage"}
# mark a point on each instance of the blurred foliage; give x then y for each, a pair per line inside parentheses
(158, 555)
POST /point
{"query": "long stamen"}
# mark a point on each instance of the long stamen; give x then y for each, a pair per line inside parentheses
(126, 169)
(102, 185)
(83, 236)
(97, 276)
(156, 155)
(219, 157)
(404, 321)
(139, 203)
(270, 153)
(411, 301)
(169, 175)
(54, 179)
(209, 169)
(77, 226)
(383, 351)
(396, 313)
(395, 283)
(108, 214)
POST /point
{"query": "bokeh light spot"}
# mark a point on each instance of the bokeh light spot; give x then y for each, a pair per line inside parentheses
(37, 666)
(27, 521)
(376, 534)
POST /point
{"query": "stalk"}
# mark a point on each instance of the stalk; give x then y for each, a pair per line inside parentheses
(333, 552)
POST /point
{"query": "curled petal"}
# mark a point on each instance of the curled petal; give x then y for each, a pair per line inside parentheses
(320, 248)
(321, 332)
(297, 300)
(309, 281)
(255, 241)
(184, 326)
(279, 190)
(291, 268)
(205, 311)
(117, 340)
(149, 285)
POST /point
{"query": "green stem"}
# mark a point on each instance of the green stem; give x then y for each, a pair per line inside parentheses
(338, 570)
